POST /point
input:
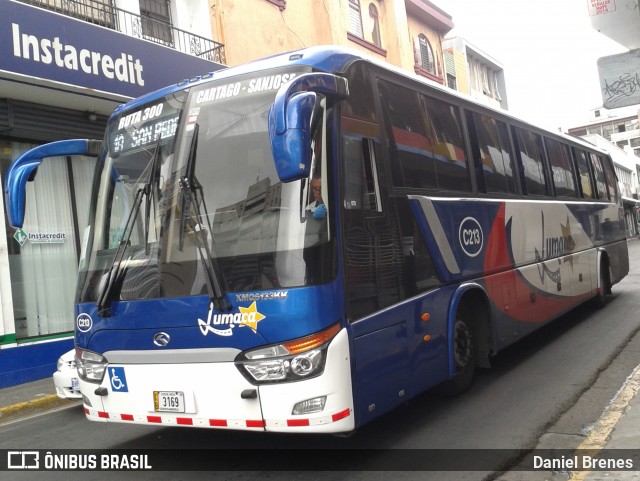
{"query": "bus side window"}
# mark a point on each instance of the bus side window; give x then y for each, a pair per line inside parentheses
(362, 188)
(360, 144)
(531, 156)
(412, 163)
(426, 143)
(562, 170)
(492, 154)
(611, 178)
(370, 151)
(585, 174)
(600, 181)
(448, 145)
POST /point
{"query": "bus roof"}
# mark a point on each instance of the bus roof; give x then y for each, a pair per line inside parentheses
(324, 58)
(333, 59)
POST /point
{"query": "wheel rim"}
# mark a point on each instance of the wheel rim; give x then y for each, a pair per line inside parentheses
(462, 345)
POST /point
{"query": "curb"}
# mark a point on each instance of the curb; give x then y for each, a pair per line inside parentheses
(51, 401)
(602, 431)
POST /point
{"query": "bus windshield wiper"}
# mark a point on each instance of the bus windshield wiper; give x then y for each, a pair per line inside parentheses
(191, 197)
(116, 271)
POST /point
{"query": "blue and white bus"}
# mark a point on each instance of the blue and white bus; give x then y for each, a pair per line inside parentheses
(303, 243)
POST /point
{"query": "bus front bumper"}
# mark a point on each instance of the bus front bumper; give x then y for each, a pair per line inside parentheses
(217, 395)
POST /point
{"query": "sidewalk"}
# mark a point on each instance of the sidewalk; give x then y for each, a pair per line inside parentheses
(620, 428)
(30, 398)
(615, 436)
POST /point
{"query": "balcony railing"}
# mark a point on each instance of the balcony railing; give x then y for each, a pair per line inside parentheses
(102, 12)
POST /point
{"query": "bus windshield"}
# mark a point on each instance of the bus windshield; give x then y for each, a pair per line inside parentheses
(188, 190)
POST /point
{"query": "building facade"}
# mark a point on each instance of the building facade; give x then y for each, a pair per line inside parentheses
(619, 126)
(405, 33)
(64, 67)
(474, 72)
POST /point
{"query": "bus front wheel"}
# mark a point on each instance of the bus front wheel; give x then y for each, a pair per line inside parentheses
(464, 355)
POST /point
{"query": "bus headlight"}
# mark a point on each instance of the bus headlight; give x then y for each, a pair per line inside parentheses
(91, 366)
(267, 370)
(305, 364)
(290, 361)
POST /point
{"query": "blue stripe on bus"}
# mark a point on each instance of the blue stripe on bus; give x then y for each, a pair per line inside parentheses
(285, 317)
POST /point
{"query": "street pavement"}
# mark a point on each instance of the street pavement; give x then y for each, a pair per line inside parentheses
(615, 434)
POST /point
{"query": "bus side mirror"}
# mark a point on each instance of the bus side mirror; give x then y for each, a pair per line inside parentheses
(291, 119)
(24, 168)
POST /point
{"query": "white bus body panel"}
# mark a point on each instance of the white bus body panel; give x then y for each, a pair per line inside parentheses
(212, 396)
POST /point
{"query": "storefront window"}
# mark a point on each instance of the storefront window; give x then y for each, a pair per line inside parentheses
(43, 255)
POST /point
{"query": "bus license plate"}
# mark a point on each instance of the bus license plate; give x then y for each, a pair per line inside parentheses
(168, 401)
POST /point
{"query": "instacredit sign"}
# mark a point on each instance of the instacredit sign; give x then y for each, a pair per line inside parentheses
(33, 47)
(42, 44)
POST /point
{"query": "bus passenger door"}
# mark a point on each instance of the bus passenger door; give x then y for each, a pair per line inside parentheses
(373, 278)
(374, 273)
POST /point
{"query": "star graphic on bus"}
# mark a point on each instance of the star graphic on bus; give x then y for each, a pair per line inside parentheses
(569, 243)
(252, 316)
(223, 324)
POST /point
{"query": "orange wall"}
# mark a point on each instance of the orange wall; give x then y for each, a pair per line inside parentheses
(304, 23)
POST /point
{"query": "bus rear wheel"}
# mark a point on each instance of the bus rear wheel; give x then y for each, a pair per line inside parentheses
(604, 284)
(464, 355)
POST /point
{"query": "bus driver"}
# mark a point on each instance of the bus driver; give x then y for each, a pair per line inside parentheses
(317, 208)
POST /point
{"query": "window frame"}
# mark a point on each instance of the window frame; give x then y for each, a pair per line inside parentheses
(426, 130)
(425, 47)
(569, 158)
(155, 25)
(542, 162)
(504, 138)
(392, 178)
(576, 151)
(611, 177)
(354, 14)
(602, 194)
(356, 28)
(376, 36)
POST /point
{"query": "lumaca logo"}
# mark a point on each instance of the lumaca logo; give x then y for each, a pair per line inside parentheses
(225, 323)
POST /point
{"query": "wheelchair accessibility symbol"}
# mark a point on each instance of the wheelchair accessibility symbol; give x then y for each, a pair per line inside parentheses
(118, 379)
